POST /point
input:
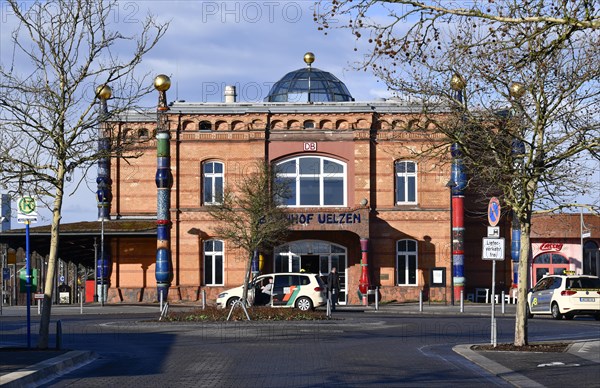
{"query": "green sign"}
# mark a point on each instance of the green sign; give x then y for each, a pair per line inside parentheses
(23, 280)
(27, 205)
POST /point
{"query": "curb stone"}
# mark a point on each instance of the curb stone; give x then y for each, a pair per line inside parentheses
(42, 370)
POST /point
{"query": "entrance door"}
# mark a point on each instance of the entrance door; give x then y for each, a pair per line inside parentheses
(339, 262)
(313, 256)
(309, 263)
(549, 264)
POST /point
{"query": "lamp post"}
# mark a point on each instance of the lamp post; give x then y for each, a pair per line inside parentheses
(450, 185)
(103, 193)
(459, 177)
(164, 181)
(516, 91)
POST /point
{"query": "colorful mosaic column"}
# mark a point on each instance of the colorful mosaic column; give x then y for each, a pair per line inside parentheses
(517, 90)
(363, 284)
(104, 190)
(459, 177)
(515, 249)
(164, 181)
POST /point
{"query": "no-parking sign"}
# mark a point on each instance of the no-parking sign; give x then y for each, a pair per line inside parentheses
(494, 211)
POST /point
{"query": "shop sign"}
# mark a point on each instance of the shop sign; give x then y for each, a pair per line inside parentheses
(551, 247)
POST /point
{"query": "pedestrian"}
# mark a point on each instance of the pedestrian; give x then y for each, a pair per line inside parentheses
(266, 291)
(333, 287)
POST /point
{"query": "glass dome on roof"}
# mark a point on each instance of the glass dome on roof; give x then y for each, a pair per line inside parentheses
(309, 85)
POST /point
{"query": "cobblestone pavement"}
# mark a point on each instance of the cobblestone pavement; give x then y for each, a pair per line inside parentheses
(393, 347)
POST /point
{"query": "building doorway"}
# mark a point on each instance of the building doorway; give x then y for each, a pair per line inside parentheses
(549, 264)
(591, 259)
(313, 256)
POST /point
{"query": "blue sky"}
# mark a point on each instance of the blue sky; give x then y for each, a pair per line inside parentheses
(210, 44)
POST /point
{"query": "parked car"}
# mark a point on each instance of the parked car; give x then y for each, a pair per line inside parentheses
(565, 295)
(304, 291)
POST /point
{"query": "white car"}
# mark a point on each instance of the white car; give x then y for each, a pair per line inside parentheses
(304, 291)
(565, 295)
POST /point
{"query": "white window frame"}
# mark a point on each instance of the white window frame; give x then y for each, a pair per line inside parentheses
(406, 254)
(212, 256)
(405, 176)
(212, 176)
(321, 176)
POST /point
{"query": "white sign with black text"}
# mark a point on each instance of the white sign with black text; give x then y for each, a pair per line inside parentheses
(493, 249)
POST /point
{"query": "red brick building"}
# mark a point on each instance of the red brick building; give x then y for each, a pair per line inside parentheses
(353, 177)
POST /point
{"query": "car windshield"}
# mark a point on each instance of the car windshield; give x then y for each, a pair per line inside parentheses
(583, 282)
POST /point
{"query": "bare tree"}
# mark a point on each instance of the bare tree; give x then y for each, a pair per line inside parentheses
(250, 216)
(526, 112)
(62, 51)
(403, 29)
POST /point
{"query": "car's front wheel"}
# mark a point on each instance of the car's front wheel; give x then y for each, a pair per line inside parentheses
(304, 304)
(556, 311)
(231, 301)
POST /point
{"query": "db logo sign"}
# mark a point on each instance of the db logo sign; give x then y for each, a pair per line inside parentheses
(310, 146)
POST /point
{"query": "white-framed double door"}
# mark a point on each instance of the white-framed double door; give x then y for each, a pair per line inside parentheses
(314, 256)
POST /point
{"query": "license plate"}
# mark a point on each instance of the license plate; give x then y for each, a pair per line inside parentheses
(586, 299)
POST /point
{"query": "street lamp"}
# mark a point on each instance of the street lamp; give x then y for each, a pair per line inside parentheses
(516, 91)
(451, 185)
(164, 181)
(103, 181)
(459, 178)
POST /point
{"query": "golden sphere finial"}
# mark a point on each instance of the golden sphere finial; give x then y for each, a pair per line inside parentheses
(162, 83)
(457, 82)
(309, 58)
(104, 92)
(517, 90)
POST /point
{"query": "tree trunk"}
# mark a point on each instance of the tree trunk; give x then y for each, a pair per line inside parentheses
(523, 271)
(50, 273)
(247, 279)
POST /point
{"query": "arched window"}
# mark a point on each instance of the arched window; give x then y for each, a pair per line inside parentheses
(213, 263)
(143, 133)
(406, 182)
(212, 182)
(309, 124)
(205, 126)
(406, 262)
(313, 181)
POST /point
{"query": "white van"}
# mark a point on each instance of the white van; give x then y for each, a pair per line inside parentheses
(304, 291)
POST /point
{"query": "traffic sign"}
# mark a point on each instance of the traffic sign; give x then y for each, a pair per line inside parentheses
(493, 231)
(26, 205)
(494, 211)
(493, 249)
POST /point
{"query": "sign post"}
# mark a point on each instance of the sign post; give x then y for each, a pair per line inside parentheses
(493, 249)
(26, 215)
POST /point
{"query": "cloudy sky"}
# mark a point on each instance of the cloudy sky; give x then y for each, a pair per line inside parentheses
(210, 44)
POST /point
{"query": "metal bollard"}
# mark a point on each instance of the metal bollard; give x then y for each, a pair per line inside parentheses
(462, 301)
(421, 300)
(203, 299)
(502, 302)
(58, 335)
(376, 298)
